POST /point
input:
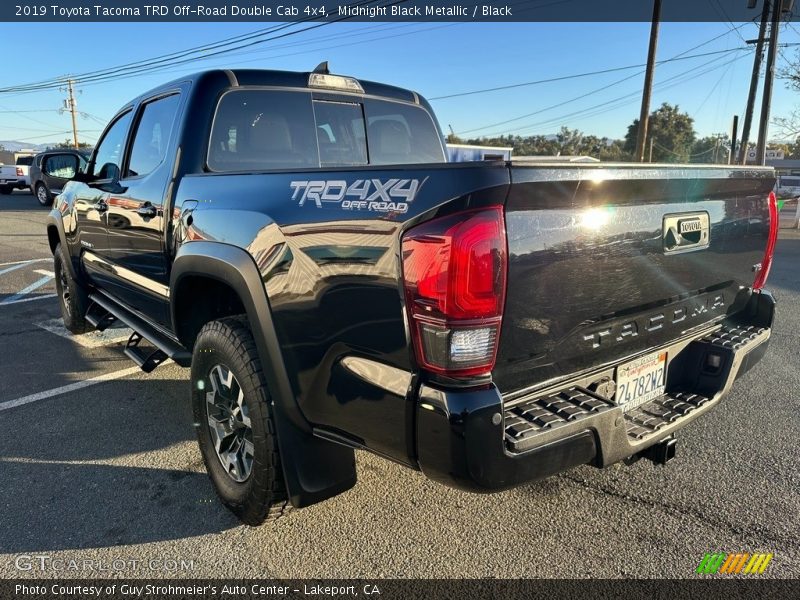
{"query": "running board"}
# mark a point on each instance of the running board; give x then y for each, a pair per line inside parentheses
(164, 344)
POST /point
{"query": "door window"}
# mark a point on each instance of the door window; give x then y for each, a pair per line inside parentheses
(108, 157)
(152, 135)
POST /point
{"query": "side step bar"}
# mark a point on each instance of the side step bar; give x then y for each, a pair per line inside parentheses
(147, 360)
(99, 317)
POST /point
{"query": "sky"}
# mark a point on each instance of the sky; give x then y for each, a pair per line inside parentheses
(434, 59)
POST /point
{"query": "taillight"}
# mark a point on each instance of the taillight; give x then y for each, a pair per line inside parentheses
(19, 172)
(766, 263)
(454, 274)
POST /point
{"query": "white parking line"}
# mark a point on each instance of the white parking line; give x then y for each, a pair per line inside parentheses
(93, 339)
(64, 389)
(44, 297)
(44, 272)
(25, 291)
(21, 263)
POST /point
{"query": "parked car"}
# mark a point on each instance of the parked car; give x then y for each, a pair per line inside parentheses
(51, 170)
(788, 186)
(301, 242)
(16, 176)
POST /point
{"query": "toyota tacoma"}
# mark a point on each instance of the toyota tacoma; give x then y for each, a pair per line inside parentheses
(299, 241)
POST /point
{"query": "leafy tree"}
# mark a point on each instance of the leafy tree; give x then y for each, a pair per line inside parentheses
(68, 144)
(452, 138)
(711, 149)
(567, 142)
(672, 132)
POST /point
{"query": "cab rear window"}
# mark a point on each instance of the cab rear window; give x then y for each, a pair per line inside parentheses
(266, 130)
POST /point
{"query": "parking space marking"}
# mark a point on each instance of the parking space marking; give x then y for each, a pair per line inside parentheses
(32, 298)
(27, 290)
(64, 389)
(22, 263)
(44, 272)
(93, 339)
(19, 265)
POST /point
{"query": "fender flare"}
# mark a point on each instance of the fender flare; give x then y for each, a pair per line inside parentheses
(314, 469)
(54, 219)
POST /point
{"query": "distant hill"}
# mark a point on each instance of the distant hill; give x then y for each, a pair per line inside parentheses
(16, 146)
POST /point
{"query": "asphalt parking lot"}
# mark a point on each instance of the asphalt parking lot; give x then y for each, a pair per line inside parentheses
(110, 471)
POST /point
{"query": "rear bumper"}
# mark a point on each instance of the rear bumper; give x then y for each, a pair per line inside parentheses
(477, 441)
(15, 183)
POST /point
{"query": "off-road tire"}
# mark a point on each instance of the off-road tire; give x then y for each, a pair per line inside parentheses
(262, 496)
(72, 297)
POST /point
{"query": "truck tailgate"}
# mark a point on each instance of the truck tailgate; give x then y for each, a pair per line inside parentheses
(606, 262)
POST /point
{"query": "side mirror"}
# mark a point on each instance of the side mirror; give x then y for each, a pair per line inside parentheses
(107, 179)
(109, 171)
(63, 166)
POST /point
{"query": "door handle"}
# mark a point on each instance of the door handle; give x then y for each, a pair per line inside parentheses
(147, 210)
(101, 206)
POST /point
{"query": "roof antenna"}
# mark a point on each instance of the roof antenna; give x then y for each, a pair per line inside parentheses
(322, 68)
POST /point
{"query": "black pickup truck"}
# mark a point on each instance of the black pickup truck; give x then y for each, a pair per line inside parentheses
(300, 242)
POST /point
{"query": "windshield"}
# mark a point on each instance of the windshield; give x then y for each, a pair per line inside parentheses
(276, 129)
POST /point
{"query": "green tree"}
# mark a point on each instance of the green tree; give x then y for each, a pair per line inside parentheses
(711, 149)
(452, 138)
(68, 144)
(672, 133)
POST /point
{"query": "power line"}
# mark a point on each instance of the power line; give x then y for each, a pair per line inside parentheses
(630, 95)
(621, 100)
(172, 59)
(579, 75)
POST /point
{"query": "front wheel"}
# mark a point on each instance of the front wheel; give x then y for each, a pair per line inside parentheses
(42, 195)
(71, 295)
(234, 422)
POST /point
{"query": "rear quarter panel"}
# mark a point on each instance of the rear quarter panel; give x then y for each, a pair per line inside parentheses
(332, 276)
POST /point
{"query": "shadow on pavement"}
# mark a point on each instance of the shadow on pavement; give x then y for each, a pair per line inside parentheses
(102, 422)
(56, 506)
(53, 499)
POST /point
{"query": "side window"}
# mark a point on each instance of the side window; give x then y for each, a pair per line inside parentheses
(152, 135)
(108, 158)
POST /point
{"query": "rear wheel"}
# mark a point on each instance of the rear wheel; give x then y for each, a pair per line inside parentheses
(234, 422)
(43, 195)
(72, 297)
(6, 189)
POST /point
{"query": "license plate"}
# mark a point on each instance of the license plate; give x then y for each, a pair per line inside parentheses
(641, 380)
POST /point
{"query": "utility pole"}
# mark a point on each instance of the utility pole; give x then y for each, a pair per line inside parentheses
(734, 132)
(651, 148)
(751, 96)
(71, 106)
(769, 77)
(644, 114)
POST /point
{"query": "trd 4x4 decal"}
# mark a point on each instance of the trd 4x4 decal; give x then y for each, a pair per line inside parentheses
(392, 195)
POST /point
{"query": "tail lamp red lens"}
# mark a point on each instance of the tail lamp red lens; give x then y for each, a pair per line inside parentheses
(454, 273)
(766, 263)
(19, 172)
